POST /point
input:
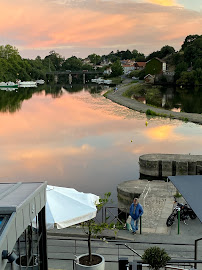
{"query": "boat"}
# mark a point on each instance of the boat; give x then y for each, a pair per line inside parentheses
(40, 81)
(27, 84)
(108, 81)
(9, 88)
(8, 85)
(101, 80)
(94, 80)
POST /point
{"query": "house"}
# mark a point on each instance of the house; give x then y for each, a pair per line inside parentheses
(127, 68)
(107, 71)
(149, 79)
(155, 66)
(139, 65)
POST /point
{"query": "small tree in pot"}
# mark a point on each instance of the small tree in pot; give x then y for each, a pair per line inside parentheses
(93, 229)
(156, 258)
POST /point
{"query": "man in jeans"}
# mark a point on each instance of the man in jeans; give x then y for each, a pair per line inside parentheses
(136, 211)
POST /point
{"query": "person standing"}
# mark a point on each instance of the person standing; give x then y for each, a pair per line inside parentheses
(136, 211)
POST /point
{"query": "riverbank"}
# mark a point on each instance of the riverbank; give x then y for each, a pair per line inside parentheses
(140, 107)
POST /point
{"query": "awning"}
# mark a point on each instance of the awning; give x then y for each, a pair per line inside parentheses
(190, 186)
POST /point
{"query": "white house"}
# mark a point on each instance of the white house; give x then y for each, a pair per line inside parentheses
(127, 68)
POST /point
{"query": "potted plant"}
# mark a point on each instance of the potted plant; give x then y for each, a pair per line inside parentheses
(91, 260)
(156, 257)
(22, 261)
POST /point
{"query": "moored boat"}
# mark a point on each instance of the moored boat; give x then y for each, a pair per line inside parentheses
(27, 84)
(101, 80)
(8, 85)
(40, 81)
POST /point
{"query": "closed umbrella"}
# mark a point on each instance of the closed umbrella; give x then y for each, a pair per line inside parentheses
(66, 207)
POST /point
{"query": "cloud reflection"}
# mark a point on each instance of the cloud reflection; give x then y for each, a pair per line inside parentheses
(85, 142)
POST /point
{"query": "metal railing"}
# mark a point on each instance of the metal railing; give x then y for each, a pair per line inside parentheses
(113, 250)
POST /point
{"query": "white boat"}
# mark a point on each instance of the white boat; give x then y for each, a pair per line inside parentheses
(101, 80)
(107, 81)
(40, 81)
(94, 80)
(8, 85)
(27, 84)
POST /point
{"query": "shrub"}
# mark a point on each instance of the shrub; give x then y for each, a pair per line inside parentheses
(155, 257)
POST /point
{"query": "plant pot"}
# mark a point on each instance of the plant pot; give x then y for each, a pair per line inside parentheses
(99, 266)
(16, 263)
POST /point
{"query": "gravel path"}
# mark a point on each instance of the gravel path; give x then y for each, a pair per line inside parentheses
(140, 107)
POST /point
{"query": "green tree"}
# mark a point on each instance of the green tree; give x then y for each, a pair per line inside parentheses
(187, 78)
(179, 69)
(140, 57)
(55, 60)
(117, 69)
(193, 51)
(72, 63)
(94, 58)
(166, 50)
(189, 40)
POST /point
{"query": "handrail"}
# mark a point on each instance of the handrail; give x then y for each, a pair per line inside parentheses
(195, 251)
(134, 251)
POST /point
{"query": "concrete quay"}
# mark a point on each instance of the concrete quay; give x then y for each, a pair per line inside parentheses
(164, 165)
(156, 197)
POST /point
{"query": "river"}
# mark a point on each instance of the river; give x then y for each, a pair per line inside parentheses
(82, 140)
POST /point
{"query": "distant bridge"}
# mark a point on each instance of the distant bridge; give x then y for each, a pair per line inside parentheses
(70, 73)
(74, 72)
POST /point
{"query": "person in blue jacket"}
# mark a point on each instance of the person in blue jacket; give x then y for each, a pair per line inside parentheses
(136, 211)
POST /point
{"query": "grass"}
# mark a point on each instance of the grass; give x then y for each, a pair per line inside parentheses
(109, 91)
(152, 113)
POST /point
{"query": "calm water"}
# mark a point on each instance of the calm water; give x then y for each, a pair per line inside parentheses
(176, 99)
(82, 140)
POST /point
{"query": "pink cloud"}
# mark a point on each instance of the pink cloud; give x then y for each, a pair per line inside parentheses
(147, 27)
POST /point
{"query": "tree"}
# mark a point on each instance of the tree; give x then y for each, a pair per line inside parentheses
(193, 51)
(93, 229)
(198, 63)
(140, 57)
(166, 50)
(187, 78)
(179, 69)
(94, 58)
(189, 40)
(72, 63)
(55, 59)
(117, 69)
(153, 54)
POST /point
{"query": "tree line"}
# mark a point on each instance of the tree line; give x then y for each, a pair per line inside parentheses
(187, 62)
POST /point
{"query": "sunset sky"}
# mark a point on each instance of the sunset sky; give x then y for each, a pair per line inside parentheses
(82, 27)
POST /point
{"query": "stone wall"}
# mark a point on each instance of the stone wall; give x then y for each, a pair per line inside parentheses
(164, 165)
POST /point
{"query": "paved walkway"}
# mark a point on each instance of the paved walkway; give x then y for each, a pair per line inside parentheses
(178, 245)
(140, 107)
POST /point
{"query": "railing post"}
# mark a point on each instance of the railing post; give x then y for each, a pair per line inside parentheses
(195, 253)
(178, 213)
(140, 224)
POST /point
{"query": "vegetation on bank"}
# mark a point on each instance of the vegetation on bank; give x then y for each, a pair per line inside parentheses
(186, 63)
(150, 93)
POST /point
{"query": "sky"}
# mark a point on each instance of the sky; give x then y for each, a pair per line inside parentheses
(83, 27)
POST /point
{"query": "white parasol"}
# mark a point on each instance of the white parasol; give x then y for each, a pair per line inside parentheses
(66, 207)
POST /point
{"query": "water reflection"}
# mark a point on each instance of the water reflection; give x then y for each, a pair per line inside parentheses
(83, 140)
(175, 99)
